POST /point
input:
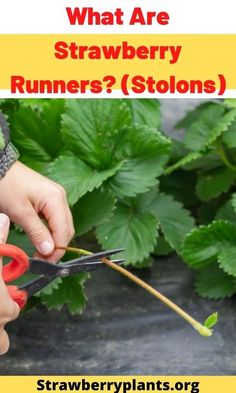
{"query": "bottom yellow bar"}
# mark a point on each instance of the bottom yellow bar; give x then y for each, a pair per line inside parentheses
(118, 384)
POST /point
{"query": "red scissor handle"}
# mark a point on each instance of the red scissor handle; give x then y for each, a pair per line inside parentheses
(18, 266)
(19, 296)
(13, 270)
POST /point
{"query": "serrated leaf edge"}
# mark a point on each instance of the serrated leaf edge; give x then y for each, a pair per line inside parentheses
(208, 226)
(232, 115)
(181, 206)
(195, 230)
(192, 156)
(219, 260)
(215, 195)
(146, 254)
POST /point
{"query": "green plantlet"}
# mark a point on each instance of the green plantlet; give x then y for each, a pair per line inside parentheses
(211, 321)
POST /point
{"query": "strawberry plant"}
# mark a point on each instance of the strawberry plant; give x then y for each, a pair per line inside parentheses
(209, 155)
(129, 185)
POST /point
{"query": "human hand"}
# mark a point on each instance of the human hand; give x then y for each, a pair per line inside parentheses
(25, 196)
(9, 310)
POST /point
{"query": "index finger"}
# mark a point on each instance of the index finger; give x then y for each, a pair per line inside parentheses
(60, 223)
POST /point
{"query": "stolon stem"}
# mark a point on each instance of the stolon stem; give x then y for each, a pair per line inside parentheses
(203, 330)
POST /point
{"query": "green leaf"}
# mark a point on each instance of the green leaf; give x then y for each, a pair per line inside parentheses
(135, 177)
(230, 103)
(68, 292)
(20, 239)
(39, 105)
(175, 221)
(141, 141)
(162, 247)
(32, 132)
(38, 166)
(197, 135)
(212, 184)
(145, 154)
(211, 321)
(3, 100)
(203, 245)
(192, 116)
(229, 138)
(101, 134)
(129, 229)
(145, 111)
(191, 157)
(178, 150)
(92, 209)
(49, 289)
(8, 106)
(94, 129)
(51, 113)
(213, 283)
(77, 177)
(208, 161)
(227, 260)
(222, 126)
(205, 124)
(227, 213)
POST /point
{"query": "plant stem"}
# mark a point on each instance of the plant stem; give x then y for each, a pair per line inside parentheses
(203, 330)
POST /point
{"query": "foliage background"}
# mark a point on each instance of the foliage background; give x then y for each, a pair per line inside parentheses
(130, 185)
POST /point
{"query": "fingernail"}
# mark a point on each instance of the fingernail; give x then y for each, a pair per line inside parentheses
(45, 247)
(4, 220)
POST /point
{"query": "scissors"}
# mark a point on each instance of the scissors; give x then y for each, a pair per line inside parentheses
(48, 272)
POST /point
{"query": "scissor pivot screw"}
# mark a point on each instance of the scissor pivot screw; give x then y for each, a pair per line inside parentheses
(64, 272)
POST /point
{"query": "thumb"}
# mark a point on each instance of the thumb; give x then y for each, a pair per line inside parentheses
(37, 231)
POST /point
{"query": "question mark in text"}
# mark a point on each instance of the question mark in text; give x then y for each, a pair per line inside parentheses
(111, 80)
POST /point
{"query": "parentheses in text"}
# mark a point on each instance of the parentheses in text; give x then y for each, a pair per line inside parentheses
(124, 83)
(222, 84)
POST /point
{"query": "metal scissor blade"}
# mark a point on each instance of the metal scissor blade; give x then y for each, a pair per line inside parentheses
(93, 257)
(69, 269)
(36, 285)
(40, 266)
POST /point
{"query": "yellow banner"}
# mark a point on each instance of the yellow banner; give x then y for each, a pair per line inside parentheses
(90, 57)
(118, 384)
